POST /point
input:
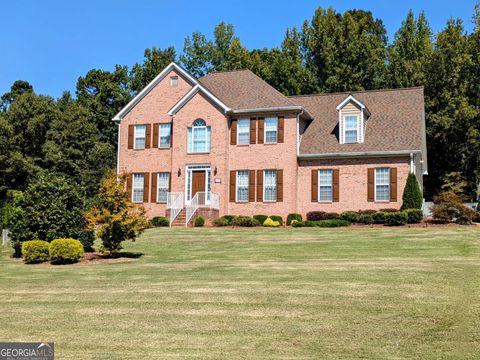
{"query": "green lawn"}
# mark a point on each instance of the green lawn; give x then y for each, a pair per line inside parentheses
(381, 293)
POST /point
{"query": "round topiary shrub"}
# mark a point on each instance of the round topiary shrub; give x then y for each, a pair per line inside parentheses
(65, 251)
(35, 251)
(160, 221)
(269, 222)
(260, 218)
(292, 217)
(199, 221)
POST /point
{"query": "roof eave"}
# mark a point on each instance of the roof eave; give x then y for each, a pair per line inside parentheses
(197, 88)
(271, 109)
(359, 154)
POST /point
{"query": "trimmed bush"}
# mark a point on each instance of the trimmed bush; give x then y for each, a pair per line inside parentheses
(35, 251)
(65, 251)
(350, 216)
(292, 217)
(365, 219)
(332, 223)
(298, 223)
(245, 221)
(379, 217)
(414, 216)
(229, 219)
(396, 218)
(277, 218)
(389, 210)
(160, 221)
(260, 218)
(368, 211)
(309, 223)
(316, 215)
(412, 195)
(269, 222)
(221, 221)
(199, 221)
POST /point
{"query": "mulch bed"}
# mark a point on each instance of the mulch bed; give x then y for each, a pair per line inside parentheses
(97, 257)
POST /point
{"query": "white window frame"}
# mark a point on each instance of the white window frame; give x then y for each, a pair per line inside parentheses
(166, 187)
(265, 186)
(320, 185)
(237, 185)
(160, 135)
(136, 187)
(387, 184)
(191, 137)
(265, 130)
(243, 132)
(357, 130)
(135, 137)
(173, 81)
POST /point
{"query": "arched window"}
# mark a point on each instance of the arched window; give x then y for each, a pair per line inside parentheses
(199, 137)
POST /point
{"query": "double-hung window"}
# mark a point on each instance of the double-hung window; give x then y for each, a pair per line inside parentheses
(137, 188)
(382, 184)
(163, 182)
(271, 130)
(199, 137)
(350, 123)
(165, 134)
(242, 185)
(270, 185)
(139, 136)
(325, 185)
(243, 132)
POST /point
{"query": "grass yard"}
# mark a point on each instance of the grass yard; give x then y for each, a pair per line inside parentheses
(310, 293)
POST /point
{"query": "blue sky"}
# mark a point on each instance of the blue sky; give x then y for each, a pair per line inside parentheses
(52, 43)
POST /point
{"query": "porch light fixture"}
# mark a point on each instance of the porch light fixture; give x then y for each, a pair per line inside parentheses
(215, 171)
(179, 172)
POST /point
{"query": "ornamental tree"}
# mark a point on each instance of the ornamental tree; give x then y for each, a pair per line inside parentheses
(114, 216)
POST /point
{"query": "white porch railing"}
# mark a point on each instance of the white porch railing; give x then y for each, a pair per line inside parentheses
(201, 199)
(175, 204)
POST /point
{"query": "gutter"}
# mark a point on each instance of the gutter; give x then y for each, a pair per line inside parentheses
(359, 154)
(272, 109)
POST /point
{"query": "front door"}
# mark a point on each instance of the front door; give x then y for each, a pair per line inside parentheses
(198, 182)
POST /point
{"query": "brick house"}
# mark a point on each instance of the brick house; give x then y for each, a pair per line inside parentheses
(229, 143)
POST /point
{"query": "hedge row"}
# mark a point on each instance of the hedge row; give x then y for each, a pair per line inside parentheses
(59, 251)
(390, 217)
(321, 223)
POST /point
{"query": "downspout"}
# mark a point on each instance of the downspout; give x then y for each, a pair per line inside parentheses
(412, 163)
(118, 148)
(298, 153)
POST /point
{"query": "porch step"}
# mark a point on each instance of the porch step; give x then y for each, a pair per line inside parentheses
(180, 219)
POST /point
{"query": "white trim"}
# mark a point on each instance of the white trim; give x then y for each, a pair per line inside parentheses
(347, 100)
(359, 154)
(196, 167)
(193, 92)
(135, 137)
(119, 116)
(273, 109)
(118, 149)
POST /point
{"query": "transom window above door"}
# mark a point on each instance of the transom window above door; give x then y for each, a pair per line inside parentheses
(199, 137)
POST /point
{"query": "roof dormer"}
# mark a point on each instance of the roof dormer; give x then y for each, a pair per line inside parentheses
(352, 114)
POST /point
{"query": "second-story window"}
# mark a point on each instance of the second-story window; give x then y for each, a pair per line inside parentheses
(165, 133)
(271, 130)
(139, 136)
(243, 131)
(199, 137)
(351, 129)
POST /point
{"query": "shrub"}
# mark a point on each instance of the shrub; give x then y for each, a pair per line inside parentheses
(332, 223)
(379, 217)
(269, 222)
(309, 223)
(368, 211)
(316, 215)
(350, 216)
(65, 251)
(260, 218)
(221, 221)
(35, 251)
(277, 218)
(365, 219)
(199, 221)
(396, 218)
(414, 216)
(476, 217)
(412, 195)
(245, 221)
(229, 219)
(448, 206)
(332, 215)
(297, 223)
(160, 221)
(48, 209)
(389, 210)
(292, 217)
